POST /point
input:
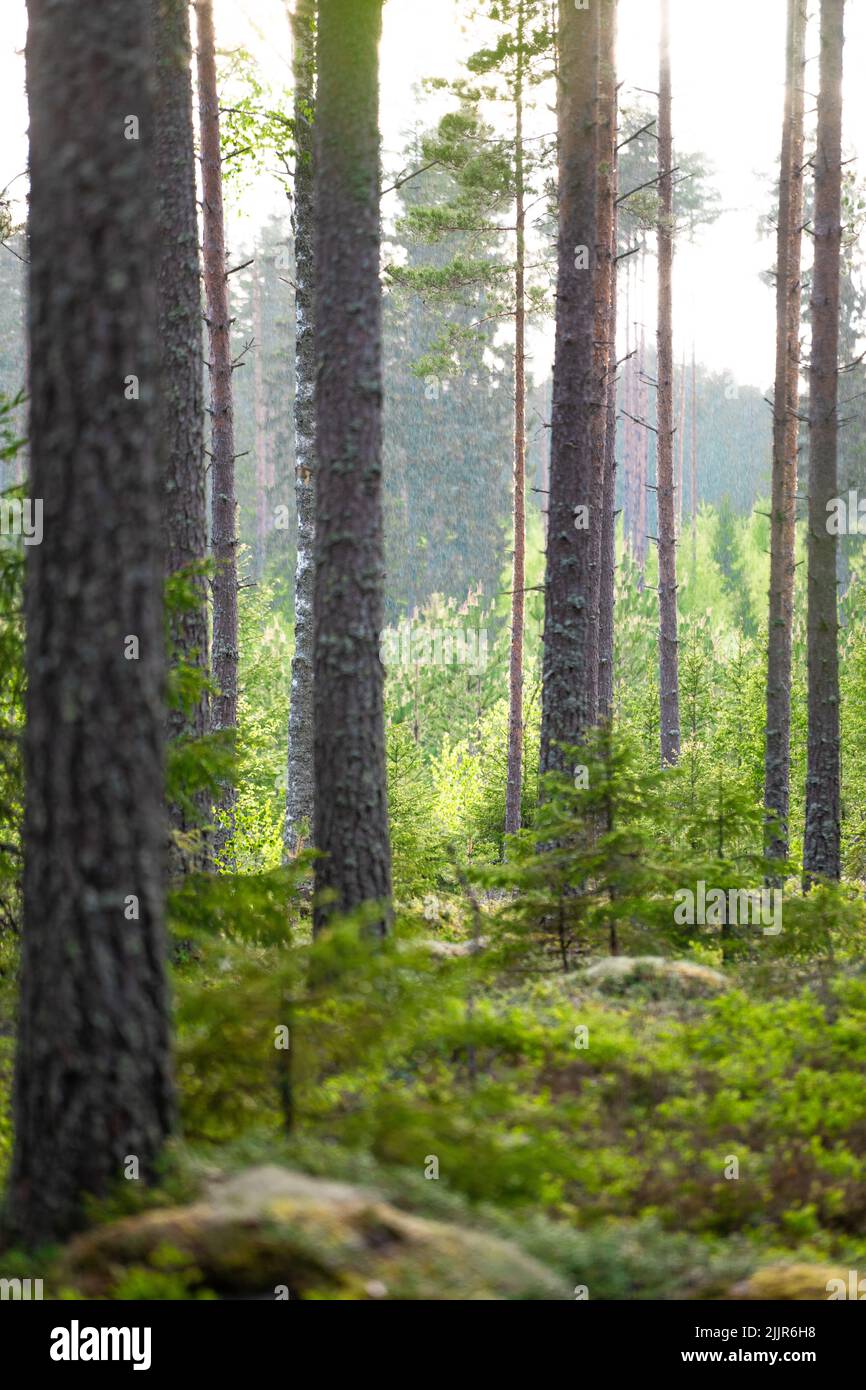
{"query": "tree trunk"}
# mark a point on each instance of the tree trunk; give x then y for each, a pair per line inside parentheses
(694, 466)
(224, 707)
(821, 847)
(628, 410)
(642, 442)
(261, 428)
(669, 694)
(681, 450)
(299, 780)
(514, 786)
(607, 192)
(570, 678)
(93, 1083)
(351, 801)
(178, 283)
(777, 759)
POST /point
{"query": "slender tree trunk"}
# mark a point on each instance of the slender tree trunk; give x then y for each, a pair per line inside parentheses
(224, 707)
(681, 449)
(605, 94)
(777, 760)
(351, 801)
(93, 1079)
(178, 279)
(669, 693)
(607, 193)
(570, 676)
(821, 847)
(261, 428)
(642, 442)
(514, 786)
(545, 489)
(694, 466)
(629, 450)
(299, 780)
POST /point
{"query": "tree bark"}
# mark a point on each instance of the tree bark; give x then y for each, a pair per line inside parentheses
(178, 280)
(351, 802)
(92, 1081)
(514, 781)
(224, 707)
(821, 847)
(299, 782)
(642, 442)
(570, 675)
(261, 428)
(694, 466)
(669, 694)
(608, 228)
(681, 451)
(783, 509)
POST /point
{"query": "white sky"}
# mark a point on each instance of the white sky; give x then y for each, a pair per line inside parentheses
(727, 77)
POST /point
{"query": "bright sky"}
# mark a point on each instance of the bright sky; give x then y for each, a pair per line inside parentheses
(727, 75)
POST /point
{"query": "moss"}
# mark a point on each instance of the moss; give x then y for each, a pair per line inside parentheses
(790, 1283)
(268, 1227)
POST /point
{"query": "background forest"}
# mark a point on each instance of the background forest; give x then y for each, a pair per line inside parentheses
(466, 1043)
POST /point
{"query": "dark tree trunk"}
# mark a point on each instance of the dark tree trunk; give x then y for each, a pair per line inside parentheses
(178, 279)
(669, 680)
(92, 1083)
(351, 802)
(514, 783)
(224, 706)
(821, 847)
(777, 760)
(299, 783)
(607, 193)
(570, 679)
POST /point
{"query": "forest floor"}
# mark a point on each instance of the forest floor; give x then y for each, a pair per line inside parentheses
(638, 1128)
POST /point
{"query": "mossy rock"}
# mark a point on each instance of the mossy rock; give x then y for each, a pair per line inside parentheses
(269, 1228)
(454, 950)
(619, 972)
(790, 1283)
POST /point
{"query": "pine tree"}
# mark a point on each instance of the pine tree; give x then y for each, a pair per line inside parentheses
(570, 677)
(261, 428)
(693, 469)
(299, 779)
(495, 177)
(669, 697)
(224, 706)
(93, 1082)
(777, 764)
(606, 311)
(514, 786)
(180, 329)
(351, 819)
(821, 845)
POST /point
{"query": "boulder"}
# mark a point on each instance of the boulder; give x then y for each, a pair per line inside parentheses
(454, 950)
(686, 972)
(269, 1228)
(790, 1283)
